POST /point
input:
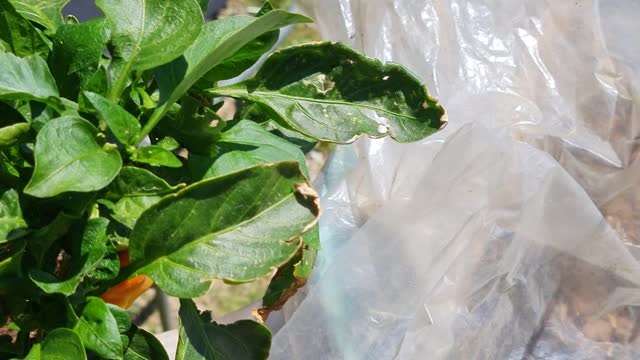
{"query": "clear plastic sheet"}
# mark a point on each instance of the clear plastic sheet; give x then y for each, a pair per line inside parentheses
(515, 232)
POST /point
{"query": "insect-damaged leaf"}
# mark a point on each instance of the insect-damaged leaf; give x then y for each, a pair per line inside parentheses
(330, 92)
(218, 41)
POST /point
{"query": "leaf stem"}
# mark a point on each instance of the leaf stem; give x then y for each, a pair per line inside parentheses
(118, 88)
(157, 114)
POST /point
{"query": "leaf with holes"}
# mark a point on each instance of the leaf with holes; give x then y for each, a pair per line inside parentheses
(218, 41)
(330, 92)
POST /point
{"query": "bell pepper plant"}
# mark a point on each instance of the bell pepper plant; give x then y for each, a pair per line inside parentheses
(117, 172)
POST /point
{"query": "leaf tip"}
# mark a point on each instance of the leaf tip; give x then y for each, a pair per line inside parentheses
(444, 120)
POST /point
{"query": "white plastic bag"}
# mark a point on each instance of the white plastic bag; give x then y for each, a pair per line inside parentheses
(512, 233)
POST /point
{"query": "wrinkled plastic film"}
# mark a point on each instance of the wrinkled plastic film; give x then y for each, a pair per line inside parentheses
(512, 234)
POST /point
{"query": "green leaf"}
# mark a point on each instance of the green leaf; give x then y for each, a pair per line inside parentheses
(135, 190)
(311, 241)
(282, 286)
(244, 58)
(291, 276)
(192, 127)
(60, 344)
(204, 5)
(98, 83)
(144, 346)
(9, 175)
(156, 156)
(27, 78)
(148, 33)
(128, 209)
(76, 54)
(79, 165)
(248, 144)
(98, 330)
(122, 318)
(169, 143)
(46, 13)
(11, 253)
(218, 40)
(9, 135)
(41, 240)
(17, 34)
(266, 7)
(105, 270)
(89, 247)
(123, 125)
(134, 181)
(305, 143)
(235, 227)
(41, 113)
(199, 338)
(12, 224)
(332, 93)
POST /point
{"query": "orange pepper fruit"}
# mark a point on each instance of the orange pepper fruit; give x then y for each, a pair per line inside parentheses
(125, 293)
